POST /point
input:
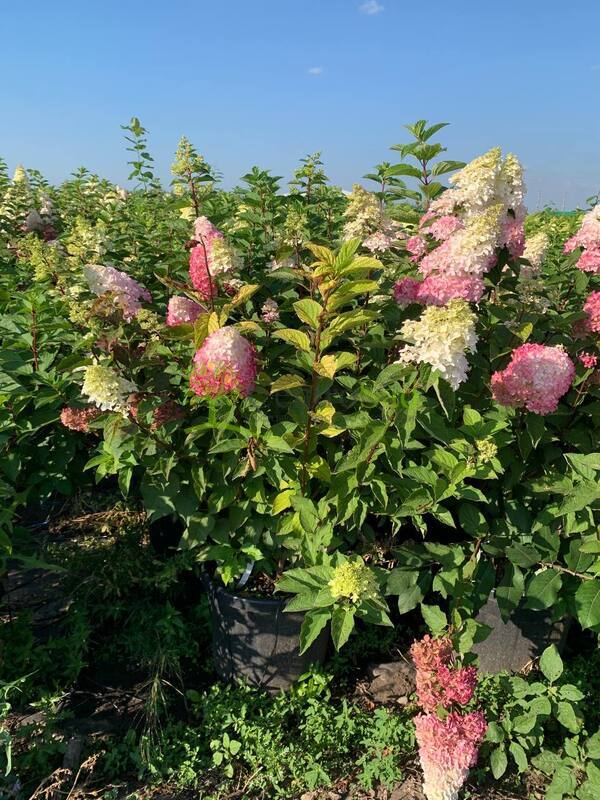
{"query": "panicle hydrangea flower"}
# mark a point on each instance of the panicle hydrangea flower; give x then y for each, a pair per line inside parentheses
(205, 231)
(416, 246)
(406, 291)
(78, 419)
(200, 272)
(223, 259)
(589, 261)
(439, 290)
(182, 309)
(362, 214)
(106, 389)
(353, 580)
(588, 235)
(443, 227)
(592, 309)
(476, 184)
(536, 377)
(270, 311)
(225, 363)
(440, 337)
(127, 292)
(588, 360)
(513, 236)
(536, 247)
(448, 749)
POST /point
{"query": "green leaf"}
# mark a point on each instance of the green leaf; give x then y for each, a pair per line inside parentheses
(587, 603)
(542, 589)
(523, 555)
(510, 591)
(282, 501)
(313, 623)
(296, 338)
(286, 382)
(495, 733)
(551, 663)
(342, 624)
(308, 311)
(565, 714)
(434, 617)
(498, 762)
(471, 519)
(519, 756)
(245, 293)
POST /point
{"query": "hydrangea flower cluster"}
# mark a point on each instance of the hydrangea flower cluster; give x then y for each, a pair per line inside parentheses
(183, 310)
(440, 337)
(592, 309)
(78, 419)
(536, 247)
(353, 580)
(589, 360)
(127, 292)
(536, 377)
(588, 238)
(448, 749)
(226, 362)
(448, 742)
(269, 311)
(106, 389)
(212, 256)
(466, 225)
(366, 220)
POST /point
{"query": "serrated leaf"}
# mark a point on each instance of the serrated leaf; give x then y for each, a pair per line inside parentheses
(282, 501)
(244, 293)
(342, 624)
(313, 623)
(286, 382)
(294, 337)
(308, 311)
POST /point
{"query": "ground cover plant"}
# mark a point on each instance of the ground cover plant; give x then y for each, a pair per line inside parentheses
(379, 406)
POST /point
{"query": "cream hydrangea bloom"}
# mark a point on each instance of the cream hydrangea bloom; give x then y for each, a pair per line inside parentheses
(441, 337)
(106, 389)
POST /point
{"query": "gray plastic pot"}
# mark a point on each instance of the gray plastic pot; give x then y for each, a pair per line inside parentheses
(255, 640)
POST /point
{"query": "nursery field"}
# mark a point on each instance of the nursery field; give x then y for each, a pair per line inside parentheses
(300, 486)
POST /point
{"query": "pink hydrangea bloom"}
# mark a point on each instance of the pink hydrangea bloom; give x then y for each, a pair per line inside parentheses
(588, 235)
(443, 227)
(226, 362)
(592, 309)
(416, 246)
(536, 377)
(438, 290)
(439, 681)
(589, 261)
(200, 272)
(127, 292)
(182, 309)
(77, 419)
(588, 360)
(448, 749)
(406, 291)
(205, 231)
(513, 236)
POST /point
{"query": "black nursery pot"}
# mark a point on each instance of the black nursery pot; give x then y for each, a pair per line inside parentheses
(255, 640)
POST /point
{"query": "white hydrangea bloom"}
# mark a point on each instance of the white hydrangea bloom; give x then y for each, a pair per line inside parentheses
(441, 337)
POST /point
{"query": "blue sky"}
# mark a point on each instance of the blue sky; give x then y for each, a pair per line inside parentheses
(267, 81)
